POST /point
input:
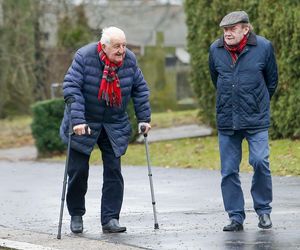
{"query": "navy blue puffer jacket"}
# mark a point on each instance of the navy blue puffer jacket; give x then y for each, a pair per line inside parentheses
(244, 89)
(82, 82)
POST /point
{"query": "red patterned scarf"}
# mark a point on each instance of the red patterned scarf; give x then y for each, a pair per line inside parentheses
(109, 90)
(235, 50)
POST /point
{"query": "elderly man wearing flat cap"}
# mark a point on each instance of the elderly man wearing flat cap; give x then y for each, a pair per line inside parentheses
(244, 72)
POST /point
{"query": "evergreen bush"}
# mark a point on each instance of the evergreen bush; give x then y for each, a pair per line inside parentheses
(133, 121)
(47, 116)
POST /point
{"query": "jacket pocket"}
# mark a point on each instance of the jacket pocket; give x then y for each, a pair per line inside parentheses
(220, 103)
(257, 103)
(248, 103)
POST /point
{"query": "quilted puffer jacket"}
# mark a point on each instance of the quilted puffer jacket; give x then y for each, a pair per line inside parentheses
(244, 89)
(82, 82)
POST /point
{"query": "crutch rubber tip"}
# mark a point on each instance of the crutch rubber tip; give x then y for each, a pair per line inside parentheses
(156, 226)
(58, 237)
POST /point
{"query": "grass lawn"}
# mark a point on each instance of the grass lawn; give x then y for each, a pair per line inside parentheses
(203, 152)
(15, 132)
(171, 118)
(186, 153)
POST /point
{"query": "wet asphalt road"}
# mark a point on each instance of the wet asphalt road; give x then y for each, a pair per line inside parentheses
(189, 204)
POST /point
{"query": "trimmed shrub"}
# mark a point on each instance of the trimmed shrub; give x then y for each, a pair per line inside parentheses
(47, 116)
(133, 121)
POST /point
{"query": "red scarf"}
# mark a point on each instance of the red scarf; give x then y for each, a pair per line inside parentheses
(235, 50)
(109, 90)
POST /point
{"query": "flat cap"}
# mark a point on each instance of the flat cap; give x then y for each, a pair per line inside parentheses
(234, 18)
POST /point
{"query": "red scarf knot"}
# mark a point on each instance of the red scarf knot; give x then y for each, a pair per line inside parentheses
(235, 50)
(109, 89)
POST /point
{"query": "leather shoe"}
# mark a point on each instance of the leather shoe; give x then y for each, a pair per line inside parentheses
(76, 224)
(113, 227)
(265, 221)
(234, 226)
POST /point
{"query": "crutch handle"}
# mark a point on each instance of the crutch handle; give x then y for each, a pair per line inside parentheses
(87, 128)
(69, 100)
(143, 129)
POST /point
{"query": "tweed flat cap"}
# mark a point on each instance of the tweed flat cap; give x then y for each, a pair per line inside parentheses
(234, 18)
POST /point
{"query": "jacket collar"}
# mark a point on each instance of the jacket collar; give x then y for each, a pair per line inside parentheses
(251, 40)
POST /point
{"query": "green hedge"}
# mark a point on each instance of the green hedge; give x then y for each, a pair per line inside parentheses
(279, 23)
(133, 121)
(47, 116)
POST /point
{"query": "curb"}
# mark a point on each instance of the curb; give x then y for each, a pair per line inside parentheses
(17, 245)
(15, 239)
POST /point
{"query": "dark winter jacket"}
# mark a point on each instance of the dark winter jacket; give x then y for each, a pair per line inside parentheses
(82, 82)
(244, 89)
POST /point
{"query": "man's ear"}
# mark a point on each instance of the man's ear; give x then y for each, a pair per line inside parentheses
(103, 47)
(246, 30)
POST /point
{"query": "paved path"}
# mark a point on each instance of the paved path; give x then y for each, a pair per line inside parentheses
(163, 134)
(156, 134)
(18, 154)
(189, 204)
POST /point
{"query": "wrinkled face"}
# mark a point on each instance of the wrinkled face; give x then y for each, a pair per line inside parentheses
(234, 34)
(115, 50)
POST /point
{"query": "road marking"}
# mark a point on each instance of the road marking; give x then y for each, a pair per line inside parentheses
(22, 245)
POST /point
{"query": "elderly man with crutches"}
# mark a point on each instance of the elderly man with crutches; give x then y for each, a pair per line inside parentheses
(102, 79)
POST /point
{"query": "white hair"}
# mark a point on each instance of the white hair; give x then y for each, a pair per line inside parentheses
(248, 25)
(110, 32)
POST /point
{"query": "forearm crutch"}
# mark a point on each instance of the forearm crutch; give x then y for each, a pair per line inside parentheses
(68, 102)
(143, 128)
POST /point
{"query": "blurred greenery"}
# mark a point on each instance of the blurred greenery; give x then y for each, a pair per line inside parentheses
(186, 153)
(74, 32)
(15, 132)
(203, 152)
(174, 118)
(162, 80)
(47, 117)
(24, 44)
(17, 57)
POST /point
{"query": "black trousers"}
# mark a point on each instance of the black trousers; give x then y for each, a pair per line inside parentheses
(113, 184)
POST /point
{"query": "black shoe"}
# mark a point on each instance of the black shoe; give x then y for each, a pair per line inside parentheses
(265, 221)
(76, 224)
(234, 226)
(113, 227)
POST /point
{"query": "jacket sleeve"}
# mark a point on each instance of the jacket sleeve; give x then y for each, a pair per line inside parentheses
(140, 96)
(72, 86)
(270, 71)
(212, 69)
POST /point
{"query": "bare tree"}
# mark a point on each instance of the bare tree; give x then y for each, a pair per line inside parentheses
(16, 57)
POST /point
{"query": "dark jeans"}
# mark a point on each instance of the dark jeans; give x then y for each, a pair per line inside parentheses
(261, 188)
(113, 184)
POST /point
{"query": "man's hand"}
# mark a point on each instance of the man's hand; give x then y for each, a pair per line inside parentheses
(146, 125)
(82, 129)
